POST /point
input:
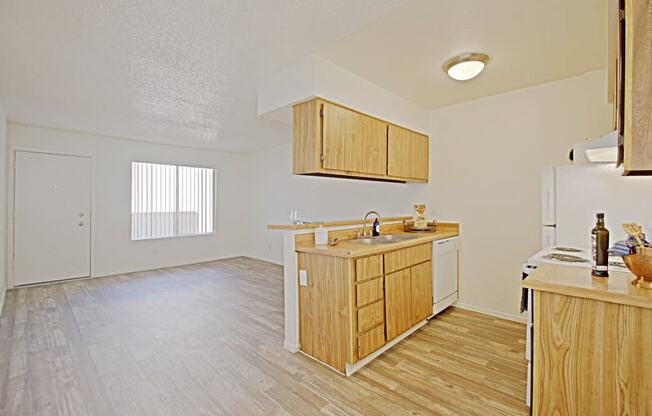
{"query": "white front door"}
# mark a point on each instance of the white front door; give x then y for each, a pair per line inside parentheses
(52, 207)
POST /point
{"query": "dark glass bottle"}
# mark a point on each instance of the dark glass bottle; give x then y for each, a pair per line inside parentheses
(599, 248)
(375, 229)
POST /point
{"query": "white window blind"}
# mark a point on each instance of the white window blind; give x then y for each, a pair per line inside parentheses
(170, 201)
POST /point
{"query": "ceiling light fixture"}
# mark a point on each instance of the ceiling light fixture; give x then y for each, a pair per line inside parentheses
(466, 66)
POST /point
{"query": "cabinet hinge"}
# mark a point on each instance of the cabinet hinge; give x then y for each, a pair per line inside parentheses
(321, 110)
(622, 14)
(321, 157)
(621, 140)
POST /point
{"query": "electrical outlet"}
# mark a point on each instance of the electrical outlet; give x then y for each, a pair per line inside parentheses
(303, 277)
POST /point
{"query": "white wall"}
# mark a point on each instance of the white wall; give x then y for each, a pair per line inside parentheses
(3, 204)
(486, 156)
(486, 160)
(275, 192)
(113, 250)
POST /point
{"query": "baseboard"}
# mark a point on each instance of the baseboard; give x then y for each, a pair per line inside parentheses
(158, 267)
(491, 312)
(3, 294)
(266, 260)
(164, 266)
(352, 368)
(290, 346)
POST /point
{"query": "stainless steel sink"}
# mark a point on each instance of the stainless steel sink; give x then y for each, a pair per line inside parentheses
(383, 239)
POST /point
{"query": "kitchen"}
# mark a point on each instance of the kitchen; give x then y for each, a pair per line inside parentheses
(259, 281)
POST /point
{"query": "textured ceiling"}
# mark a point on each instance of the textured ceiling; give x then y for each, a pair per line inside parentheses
(186, 72)
(180, 72)
(529, 42)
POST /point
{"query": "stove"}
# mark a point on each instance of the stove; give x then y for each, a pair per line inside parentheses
(565, 258)
(568, 249)
(570, 256)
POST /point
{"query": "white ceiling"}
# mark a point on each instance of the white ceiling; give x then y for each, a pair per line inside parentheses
(529, 42)
(181, 72)
(186, 72)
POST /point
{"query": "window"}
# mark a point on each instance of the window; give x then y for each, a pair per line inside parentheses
(171, 201)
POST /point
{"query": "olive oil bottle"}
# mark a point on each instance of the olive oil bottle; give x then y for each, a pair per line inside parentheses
(599, 248)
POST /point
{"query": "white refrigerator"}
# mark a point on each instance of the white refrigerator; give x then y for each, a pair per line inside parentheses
(571, 196)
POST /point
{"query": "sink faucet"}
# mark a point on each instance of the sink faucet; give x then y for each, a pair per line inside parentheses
(364, 223)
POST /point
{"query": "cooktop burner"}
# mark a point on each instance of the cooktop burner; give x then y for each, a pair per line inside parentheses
(566, 258)
(617, 264)
(568, 249)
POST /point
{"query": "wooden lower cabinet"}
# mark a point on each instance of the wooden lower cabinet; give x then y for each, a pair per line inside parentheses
(370, 316)
(591, 357)
(369, 291)
(421, 279)
(407, 257)
(326, 327)
(408, 298)
(368, 267)
(398, 303)
(371, 341)
(350, 308)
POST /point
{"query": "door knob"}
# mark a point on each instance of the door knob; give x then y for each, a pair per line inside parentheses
(80, 223)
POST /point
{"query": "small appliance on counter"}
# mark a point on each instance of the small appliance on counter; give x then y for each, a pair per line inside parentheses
(419, 223)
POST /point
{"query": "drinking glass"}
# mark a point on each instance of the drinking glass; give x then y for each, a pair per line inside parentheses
(295, 217)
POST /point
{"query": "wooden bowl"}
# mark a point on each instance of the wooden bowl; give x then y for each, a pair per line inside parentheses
(640, 264)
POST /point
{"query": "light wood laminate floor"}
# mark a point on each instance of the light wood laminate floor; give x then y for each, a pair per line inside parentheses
(206, 340)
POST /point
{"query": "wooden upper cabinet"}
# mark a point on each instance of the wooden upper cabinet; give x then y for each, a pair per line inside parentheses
(635, 58)
(331, 140)
(353, 142)
(407, 154)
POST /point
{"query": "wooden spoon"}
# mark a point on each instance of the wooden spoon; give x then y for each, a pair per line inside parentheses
(634, 230)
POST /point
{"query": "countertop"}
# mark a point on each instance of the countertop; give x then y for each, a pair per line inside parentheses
(578, 282)
(326, 224)
(348, 249)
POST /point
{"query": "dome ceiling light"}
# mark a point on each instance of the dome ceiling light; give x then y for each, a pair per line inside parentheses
(466, 66)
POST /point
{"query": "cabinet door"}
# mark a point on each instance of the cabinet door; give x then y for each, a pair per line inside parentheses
(398, 303)
(421, 275)
(353, 142)
(407, 154)
(638, 87)
(371, 341)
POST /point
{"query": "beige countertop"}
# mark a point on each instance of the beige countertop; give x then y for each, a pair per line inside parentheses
(578, 282)
(349, 249)
(291, 227)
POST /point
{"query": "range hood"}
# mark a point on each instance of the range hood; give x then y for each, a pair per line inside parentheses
(601, 150)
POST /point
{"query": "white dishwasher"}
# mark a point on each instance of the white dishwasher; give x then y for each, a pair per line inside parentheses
(445, 262)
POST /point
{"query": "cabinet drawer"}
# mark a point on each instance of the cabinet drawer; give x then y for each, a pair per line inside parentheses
(368, 267)
(369, 291)
(371, 341)
(401, 259)
(370, 316)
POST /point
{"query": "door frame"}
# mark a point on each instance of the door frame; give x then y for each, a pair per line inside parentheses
(11, 193)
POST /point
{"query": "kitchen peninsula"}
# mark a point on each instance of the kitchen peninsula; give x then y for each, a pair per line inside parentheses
(348, 303)
(591, 343)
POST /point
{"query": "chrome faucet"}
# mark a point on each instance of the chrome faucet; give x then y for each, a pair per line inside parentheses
(364, 223)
